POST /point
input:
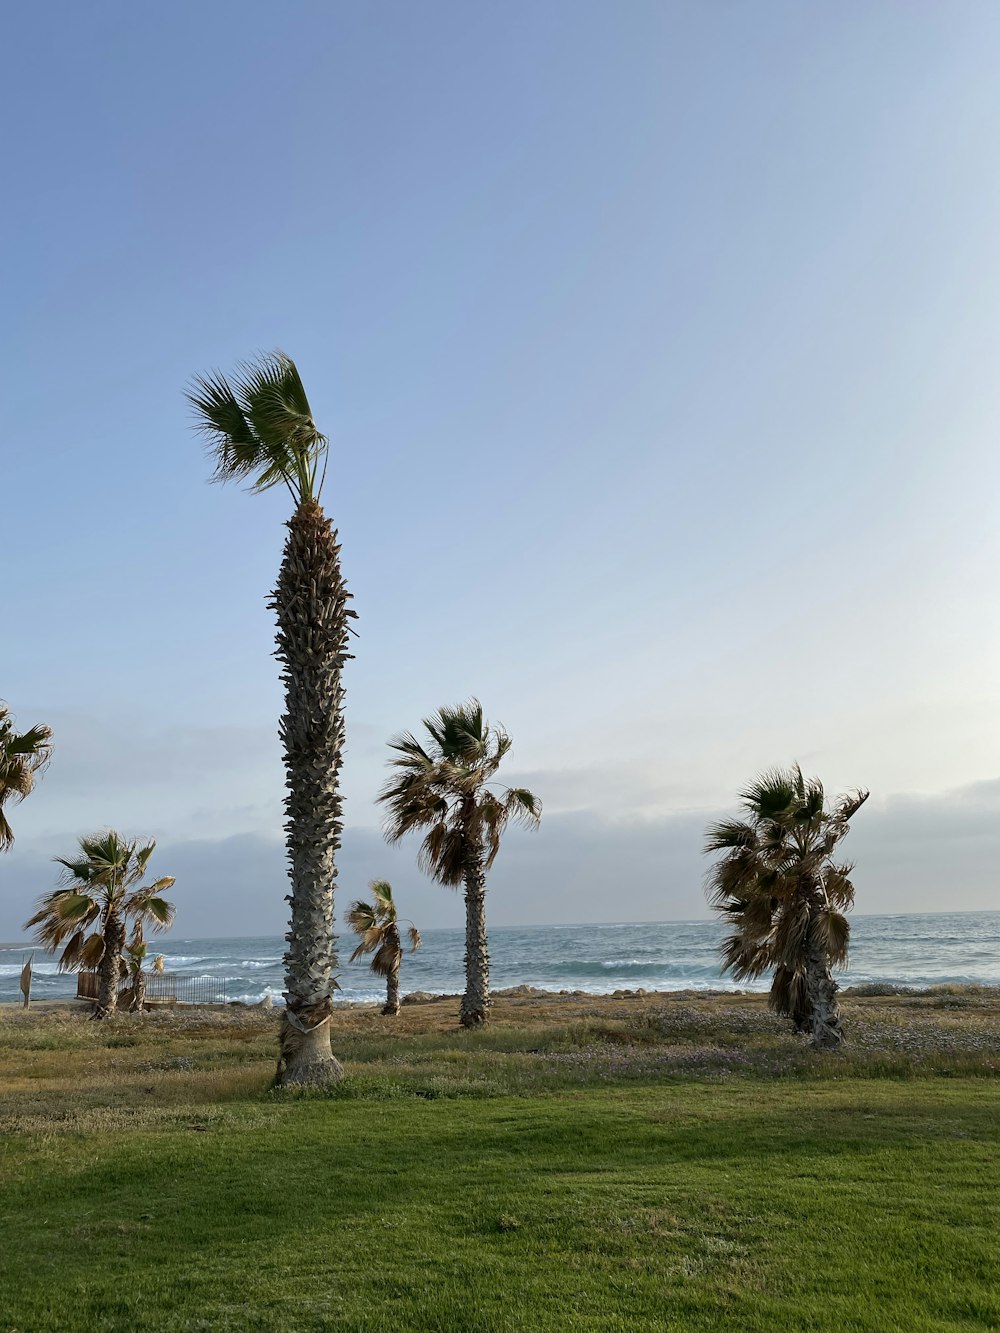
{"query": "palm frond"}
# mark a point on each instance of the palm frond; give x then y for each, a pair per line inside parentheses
(259, 426)
(387, 957)
(730, 834)
(831, 932)
(522, 806)
(771, 794)
(361, 916)
(442, 853)
(382, 892)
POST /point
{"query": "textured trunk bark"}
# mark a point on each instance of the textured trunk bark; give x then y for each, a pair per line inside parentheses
(823, 1021)
(138, 993)
(392, 992)
(111, 965)
(311, 605)
(475, 1010)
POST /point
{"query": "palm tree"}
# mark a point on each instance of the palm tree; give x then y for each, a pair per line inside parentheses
(445, 789)
(22, 757)
(100, 895)
(136, 951)
(260, 429)
(784, 896)
(378, 925)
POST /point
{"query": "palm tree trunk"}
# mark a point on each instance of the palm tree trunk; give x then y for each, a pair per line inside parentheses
(310, 600)
(110, 971)
(138, 993)
(392, 991)
(475, 1009)
(823, 1021)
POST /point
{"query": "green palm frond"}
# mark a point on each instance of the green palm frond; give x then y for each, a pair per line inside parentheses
(259, 427)
(522, 806)
(730, 834)
(155, 912)
(361, 917)
(382, 892)
(770, 795)
(23, 756)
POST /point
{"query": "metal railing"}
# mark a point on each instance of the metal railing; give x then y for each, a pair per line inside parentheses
(162, 988)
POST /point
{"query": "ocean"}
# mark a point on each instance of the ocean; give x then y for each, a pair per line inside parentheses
(913, 950)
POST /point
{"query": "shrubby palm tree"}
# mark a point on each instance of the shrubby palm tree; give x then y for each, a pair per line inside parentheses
(777, 885)
(260, 429)
(444, 788)
(378, 925)
(22, 757)
(136, 952)
(100, 896)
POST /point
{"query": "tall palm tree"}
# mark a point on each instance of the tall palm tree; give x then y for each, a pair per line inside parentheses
(378, 925)
(445, 789)
(22, 757)
(260, 429)
(777, 885)
(100, 895)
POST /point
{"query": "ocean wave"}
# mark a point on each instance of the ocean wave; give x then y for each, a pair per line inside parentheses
(628, 968)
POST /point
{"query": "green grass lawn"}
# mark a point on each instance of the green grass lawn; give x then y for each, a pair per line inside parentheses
(558, 1171)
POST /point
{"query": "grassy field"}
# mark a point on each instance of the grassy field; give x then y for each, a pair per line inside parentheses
(638, 1164)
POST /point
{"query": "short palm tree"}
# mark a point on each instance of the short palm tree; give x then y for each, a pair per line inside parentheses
(101, 894)
(136, 952)
(777, 885)
(260, 429)
(378, 925)
(445, 789)
(22, 757)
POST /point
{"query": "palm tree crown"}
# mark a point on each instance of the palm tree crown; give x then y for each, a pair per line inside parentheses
(22, 757)
(259, 427)
(443, 788)
(101, 892)
(777, 885)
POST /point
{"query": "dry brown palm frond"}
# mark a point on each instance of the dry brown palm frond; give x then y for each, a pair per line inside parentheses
(386, 959)
(788, 996)
(831, 932)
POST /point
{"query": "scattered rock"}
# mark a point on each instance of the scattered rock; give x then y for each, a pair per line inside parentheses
(424, 997)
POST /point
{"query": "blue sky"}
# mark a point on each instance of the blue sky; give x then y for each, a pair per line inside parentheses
(657, 343)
